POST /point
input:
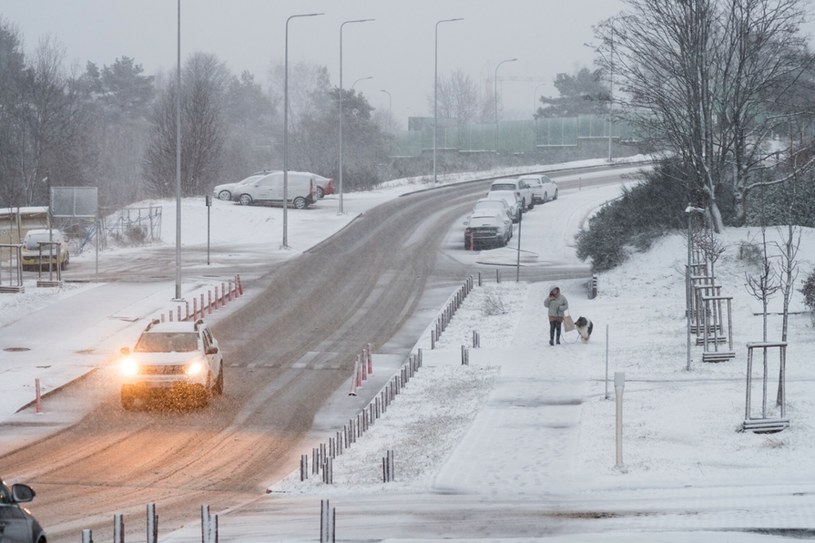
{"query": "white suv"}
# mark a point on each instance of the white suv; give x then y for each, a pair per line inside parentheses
(177, 358)
(519, 187)
(543, 188)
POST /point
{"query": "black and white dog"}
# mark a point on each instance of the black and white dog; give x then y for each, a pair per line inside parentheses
(584, 327)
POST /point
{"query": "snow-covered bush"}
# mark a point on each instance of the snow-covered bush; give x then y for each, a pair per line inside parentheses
(493, 304)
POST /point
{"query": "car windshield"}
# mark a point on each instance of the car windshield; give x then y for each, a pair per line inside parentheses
(166, 342)
(503, 186)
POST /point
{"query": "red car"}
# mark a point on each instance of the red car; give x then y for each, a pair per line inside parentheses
(323, 186)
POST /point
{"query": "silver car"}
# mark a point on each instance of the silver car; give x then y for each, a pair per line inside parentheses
(511, 198)
(500, 206)
(488, 228)
(17, 525)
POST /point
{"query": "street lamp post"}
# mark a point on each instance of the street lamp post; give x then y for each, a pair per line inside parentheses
(340, 101)
(495, 97)
(690, 210)
(436, 89)
(390, 102)
(360, 79)
(178, 160)
(285, 243)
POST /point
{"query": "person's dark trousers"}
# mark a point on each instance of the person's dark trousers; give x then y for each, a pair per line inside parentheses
(554, 330)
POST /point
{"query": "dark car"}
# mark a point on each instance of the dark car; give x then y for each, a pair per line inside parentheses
(16, 523)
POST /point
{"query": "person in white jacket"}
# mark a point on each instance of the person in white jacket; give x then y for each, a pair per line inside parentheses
(557, 304)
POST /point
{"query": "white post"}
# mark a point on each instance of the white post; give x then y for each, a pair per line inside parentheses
(619, 386)
(606, 361)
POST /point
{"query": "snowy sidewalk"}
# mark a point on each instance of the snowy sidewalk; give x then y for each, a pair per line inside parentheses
(539, 398)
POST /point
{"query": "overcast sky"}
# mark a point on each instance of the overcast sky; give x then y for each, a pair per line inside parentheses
(547, 37)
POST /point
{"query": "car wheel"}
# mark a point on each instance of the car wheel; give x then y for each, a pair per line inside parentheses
(320, 193)
(300, 203)
(219, 382)
(245, 200)
(225, 195)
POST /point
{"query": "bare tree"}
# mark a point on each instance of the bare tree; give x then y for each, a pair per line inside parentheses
(764, 284)
(763, 58)
(204, 83)
(711, 247)
(701, 77)
(458, 101)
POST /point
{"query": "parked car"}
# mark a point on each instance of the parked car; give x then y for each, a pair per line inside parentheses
(512, 199)
(518, 186)
(17, 525)
(323, 186)
(231, 191)
(489, 228)
(43, 247)
(182, 359)
(485, 204)
(269, 190)
(543, 188)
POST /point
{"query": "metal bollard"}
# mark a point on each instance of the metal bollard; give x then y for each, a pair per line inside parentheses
(37, 397)
(152, 523)
(327, 522)
(619, 387)
(118, 528)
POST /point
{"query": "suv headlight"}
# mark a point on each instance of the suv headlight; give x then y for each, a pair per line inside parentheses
(129, 367)
(194, 368)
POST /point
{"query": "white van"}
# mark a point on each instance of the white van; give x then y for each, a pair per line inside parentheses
(269, 190)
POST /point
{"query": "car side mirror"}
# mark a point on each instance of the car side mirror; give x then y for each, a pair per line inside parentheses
(212, 349)
(125, 351)
(22, 493)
